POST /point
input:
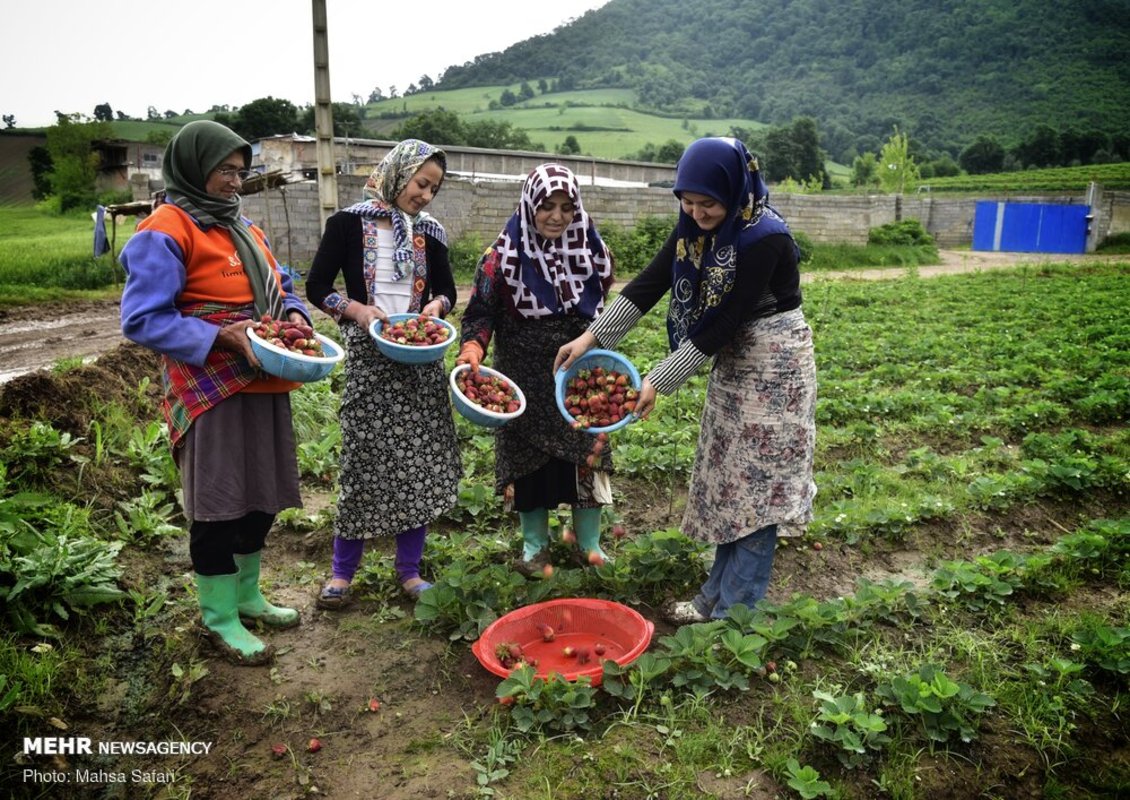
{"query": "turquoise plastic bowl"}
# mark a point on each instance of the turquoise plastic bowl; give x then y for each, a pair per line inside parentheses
(478, 414)
(408, 353)
(291, 366)
(596, 358)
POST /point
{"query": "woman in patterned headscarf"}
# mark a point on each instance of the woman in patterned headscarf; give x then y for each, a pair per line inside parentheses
(198, 274)
(731, 268)
(400, 465)
(539, 285)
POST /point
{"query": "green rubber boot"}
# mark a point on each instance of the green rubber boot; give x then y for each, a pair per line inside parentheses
(218, 607)
(252, 604)
(586, 523)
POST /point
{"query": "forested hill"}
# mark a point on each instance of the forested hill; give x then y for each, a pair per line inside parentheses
(946, 71)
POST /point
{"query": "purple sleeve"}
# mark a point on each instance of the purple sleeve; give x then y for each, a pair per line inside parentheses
(155, 277)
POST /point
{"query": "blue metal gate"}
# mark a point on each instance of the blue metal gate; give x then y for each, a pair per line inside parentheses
(1030, 227)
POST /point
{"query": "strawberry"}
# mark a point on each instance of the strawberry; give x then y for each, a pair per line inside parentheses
(313, 746)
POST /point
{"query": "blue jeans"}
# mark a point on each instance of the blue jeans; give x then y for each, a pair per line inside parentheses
(740, 573)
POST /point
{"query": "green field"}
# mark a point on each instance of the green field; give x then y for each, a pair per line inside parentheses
(601, 120)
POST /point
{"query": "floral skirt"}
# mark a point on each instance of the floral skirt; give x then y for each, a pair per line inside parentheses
(753, 465)
(400, 463)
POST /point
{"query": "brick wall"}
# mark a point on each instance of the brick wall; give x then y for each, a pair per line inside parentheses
(290, 215)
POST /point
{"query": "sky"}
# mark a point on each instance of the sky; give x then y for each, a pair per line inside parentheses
(68, 56)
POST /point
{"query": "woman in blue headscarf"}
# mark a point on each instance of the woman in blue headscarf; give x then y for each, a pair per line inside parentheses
(731, 268)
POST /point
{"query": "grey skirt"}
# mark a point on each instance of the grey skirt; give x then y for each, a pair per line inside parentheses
(754, 461)
(239, 457)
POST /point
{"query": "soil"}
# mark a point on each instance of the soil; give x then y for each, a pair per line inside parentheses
(162, 683)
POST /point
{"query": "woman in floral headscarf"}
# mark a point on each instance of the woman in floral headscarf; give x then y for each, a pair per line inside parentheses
(540, 284)
(400, 465)
(731, 268)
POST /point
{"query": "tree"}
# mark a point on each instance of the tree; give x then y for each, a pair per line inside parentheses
(40, 160)
(569, 147)
(376, 95)
(265, 117)
(669, 152)
(103, 112)
(897, 171)
(426, 83)
(347, 120)
(74, 170)
(794, 152)
(9, 120)
(438, 127)
(507, 98)
(985, 155)
(525, 91)
(1041, 148)
(865, 170)
(542, 87)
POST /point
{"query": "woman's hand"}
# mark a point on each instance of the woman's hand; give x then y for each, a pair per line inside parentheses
(646, 401)
(233, 337)
(470, 353)
(364, 314)
(433, 309)
(571, 351)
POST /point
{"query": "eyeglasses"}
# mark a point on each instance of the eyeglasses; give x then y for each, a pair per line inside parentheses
(227, 173)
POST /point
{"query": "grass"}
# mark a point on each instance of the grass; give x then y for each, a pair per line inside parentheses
(46, 257)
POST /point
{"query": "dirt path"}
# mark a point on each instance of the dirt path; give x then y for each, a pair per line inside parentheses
(36, 337)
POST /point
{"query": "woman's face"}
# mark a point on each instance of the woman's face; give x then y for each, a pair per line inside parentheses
(224, 180)
(707, 212)
(553, 216)
(420, 189)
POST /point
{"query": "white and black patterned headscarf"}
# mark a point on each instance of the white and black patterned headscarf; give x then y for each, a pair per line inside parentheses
(559, 276)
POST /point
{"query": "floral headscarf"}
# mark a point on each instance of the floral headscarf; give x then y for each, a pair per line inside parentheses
(385, 185)
(705, 263)
(553, 277)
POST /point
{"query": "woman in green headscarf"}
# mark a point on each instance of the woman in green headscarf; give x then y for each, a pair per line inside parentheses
(198, 275)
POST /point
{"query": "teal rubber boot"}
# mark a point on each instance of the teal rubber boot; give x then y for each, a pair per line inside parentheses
(252, 604)
(219, 609)
(535, 541)
(535, 531)
(586, 522)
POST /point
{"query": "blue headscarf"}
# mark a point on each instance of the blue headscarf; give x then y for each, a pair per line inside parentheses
(706, 262)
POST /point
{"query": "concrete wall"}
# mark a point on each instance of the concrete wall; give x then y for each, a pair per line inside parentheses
(480, 208)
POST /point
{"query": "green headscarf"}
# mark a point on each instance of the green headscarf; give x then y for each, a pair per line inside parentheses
(197, 149)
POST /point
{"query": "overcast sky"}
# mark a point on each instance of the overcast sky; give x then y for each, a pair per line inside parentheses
(71, 55)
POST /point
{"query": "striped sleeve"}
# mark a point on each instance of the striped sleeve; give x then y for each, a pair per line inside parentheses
(673, 371)
(615, 321)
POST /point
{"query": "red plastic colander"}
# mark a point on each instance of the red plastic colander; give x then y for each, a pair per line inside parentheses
(584, 624)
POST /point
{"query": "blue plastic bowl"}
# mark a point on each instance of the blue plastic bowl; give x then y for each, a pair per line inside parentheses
(477, 414)
(596, 358)
(410, 353)
(291, 366)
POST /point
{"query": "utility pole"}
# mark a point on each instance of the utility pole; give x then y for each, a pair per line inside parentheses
(323, 116)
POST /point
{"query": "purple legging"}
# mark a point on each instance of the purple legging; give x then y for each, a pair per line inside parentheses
(409, 551)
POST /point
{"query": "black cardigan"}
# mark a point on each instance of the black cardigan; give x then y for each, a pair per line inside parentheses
(341, 251)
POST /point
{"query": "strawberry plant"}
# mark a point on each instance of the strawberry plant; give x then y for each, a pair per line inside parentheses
(1107, 647)
(846, 722)
(551, 705)
(806, 782)
(941, 706)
